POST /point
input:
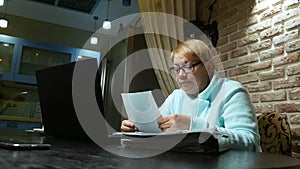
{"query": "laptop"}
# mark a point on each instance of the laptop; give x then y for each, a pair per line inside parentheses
(55, 93)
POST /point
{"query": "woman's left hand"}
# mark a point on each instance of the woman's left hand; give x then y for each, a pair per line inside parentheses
(174, 122)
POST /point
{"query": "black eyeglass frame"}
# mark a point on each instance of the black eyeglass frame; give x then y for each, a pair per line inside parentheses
(190, 66)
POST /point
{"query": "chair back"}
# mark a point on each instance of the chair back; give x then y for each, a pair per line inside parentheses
(275, 133)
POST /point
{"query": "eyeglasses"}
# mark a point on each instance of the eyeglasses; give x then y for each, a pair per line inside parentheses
(185, 68)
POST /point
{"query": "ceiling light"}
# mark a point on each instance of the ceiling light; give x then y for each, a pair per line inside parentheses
(106, 22)
(1, 2)
(3, 21)
(94, 38)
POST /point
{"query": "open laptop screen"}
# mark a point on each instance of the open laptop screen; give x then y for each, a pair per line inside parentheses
(55, 94)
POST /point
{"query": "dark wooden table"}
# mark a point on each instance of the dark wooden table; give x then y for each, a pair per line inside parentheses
(66, 154)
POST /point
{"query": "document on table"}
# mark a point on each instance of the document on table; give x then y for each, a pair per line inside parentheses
(146, 134)
(142, 110)
(203, 132)
(180, 140)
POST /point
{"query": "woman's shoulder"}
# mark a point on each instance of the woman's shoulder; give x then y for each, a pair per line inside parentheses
(232, 83)
(230, 86)
(217, 81)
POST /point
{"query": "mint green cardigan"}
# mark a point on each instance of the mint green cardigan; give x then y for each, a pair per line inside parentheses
(223, 106)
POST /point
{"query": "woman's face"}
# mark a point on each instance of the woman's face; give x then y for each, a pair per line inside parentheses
(193, 82)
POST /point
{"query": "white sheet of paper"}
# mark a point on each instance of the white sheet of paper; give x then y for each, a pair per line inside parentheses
(142, 134)
(210, 131)
(142, 110)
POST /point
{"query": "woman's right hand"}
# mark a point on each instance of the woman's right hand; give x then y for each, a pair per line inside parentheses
(128, 126)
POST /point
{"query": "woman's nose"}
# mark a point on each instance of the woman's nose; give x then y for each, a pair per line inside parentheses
(181, 73)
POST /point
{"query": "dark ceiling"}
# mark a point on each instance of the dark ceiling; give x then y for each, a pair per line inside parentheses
(86, 6)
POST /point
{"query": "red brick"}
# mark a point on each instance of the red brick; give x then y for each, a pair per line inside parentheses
(254, 98)
(235, 3)
(260, 26)
(239, 52)
(267, 54)
(285, 15)
(287, 36)
(262, 45)
(294, 119)
(287, 107)
(293, 69)
(248, 78)
(222, 41)
(236, 18)
(277, 73)
(271, 12)
(228, 30)
(289, 83)
(263, 107)
(230, 63)
(228, 47)
(295, 22)
(271, 31)
(248, 40)
(224, 57)
(294, 94)
(260, 65)
(290, 58)
(238, 71)
(292, 46)
(248, 59)
(237, 35)
(262, 86)
(247, 22)
(273, 96)
(260, 7)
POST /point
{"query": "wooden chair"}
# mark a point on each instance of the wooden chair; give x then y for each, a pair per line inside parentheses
(275, 133)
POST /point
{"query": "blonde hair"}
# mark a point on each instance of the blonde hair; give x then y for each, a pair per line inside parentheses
(192, 49)
(195, 50)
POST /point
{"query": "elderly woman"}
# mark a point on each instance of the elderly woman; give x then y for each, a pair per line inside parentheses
(206, 101)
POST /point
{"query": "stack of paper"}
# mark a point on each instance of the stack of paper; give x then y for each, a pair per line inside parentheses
(182, 141)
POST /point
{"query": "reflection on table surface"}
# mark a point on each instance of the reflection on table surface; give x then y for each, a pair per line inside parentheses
(81, 154)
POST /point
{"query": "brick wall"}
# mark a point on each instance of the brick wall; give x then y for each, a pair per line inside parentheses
(259, 46)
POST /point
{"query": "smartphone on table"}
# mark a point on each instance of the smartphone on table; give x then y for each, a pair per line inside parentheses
(15, 144)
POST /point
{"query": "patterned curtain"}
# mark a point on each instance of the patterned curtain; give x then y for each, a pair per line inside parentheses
(163, 26)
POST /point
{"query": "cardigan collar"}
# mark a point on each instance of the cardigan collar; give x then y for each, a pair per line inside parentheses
(206, 93)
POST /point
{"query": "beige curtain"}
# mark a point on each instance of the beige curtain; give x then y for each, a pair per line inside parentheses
(163, 26)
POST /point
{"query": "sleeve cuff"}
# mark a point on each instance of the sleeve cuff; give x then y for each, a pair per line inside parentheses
(198, 123)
